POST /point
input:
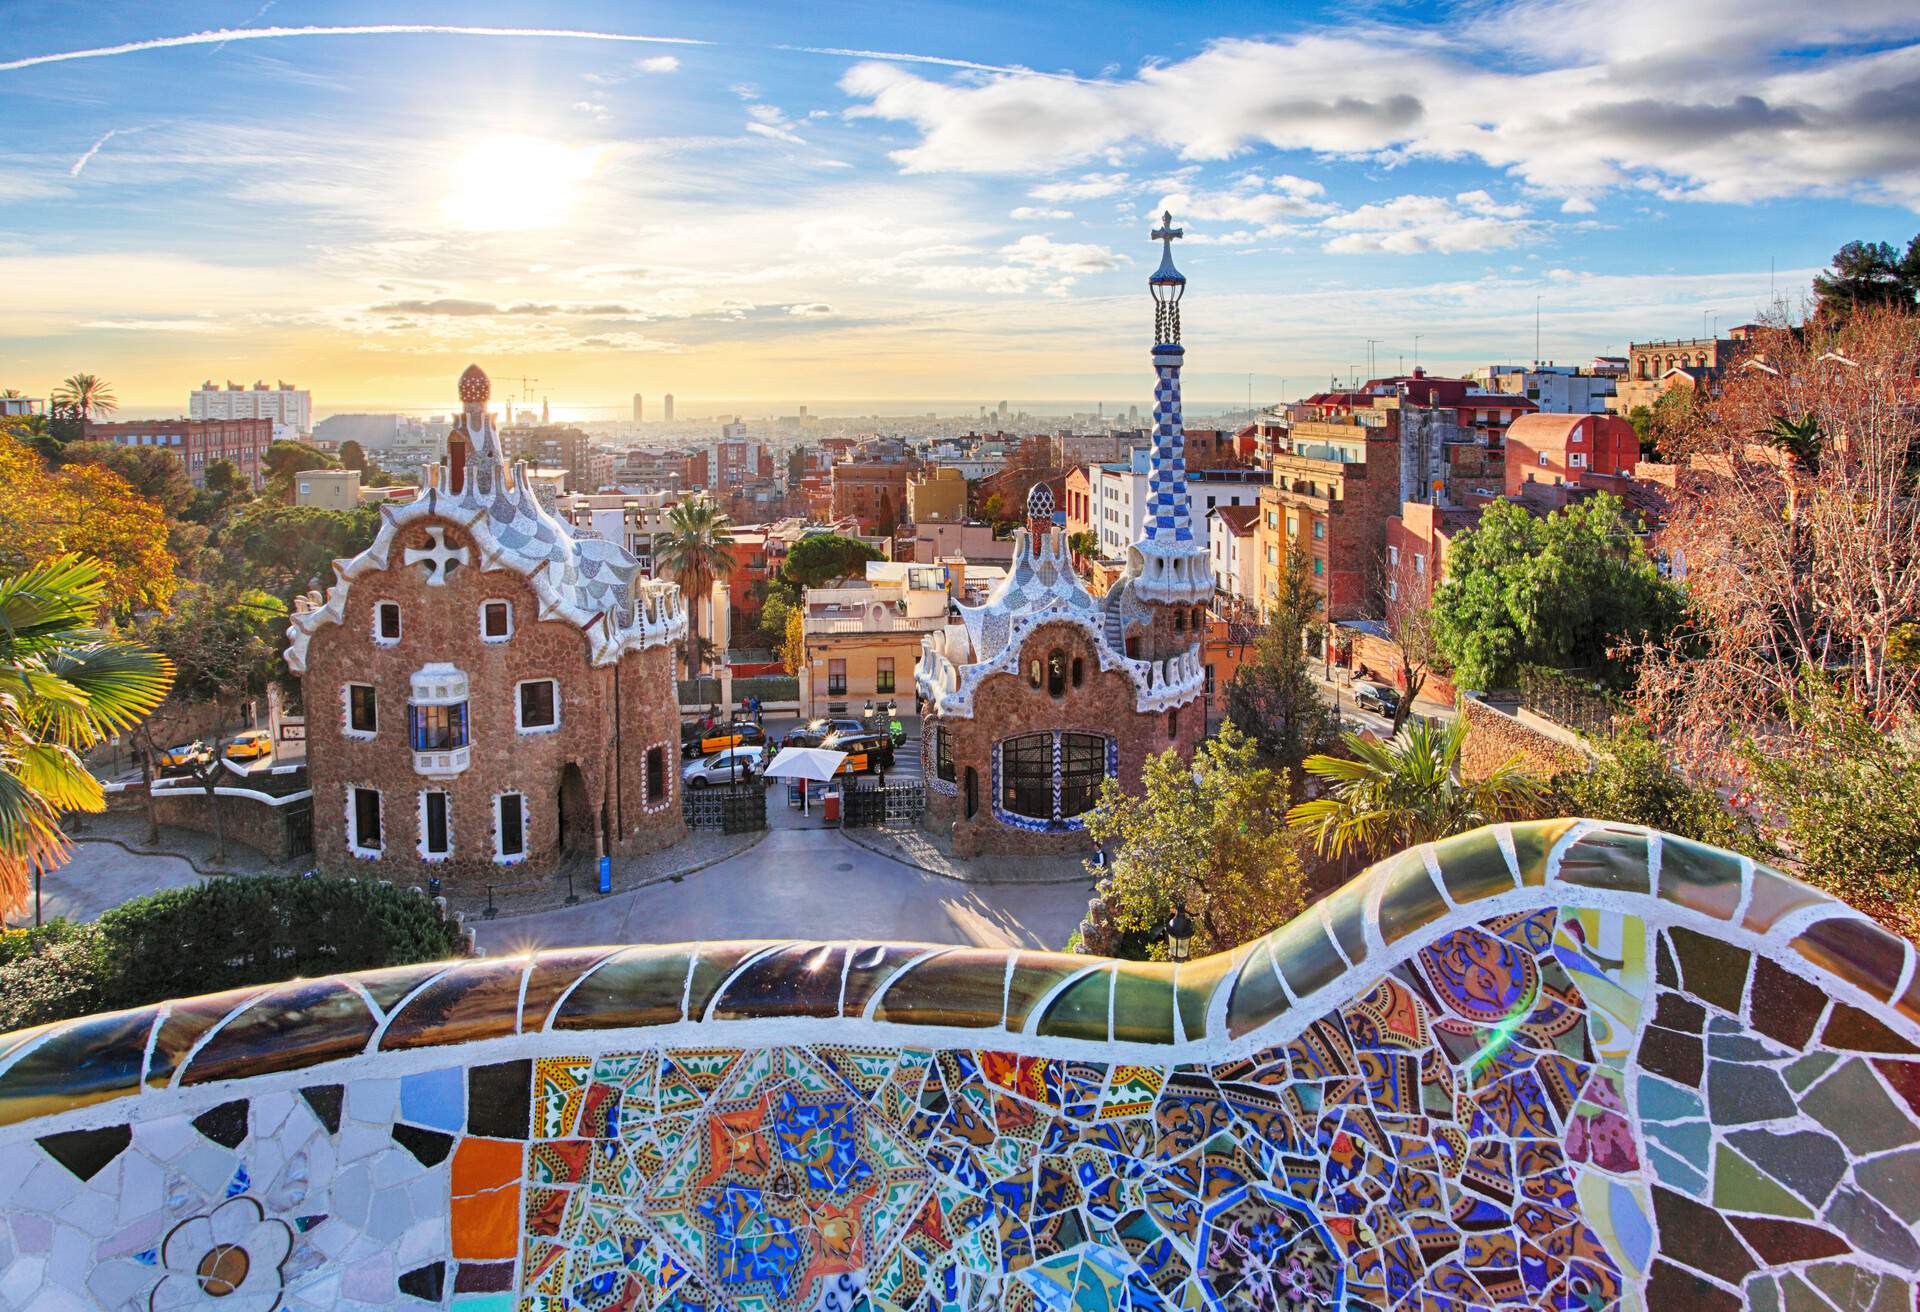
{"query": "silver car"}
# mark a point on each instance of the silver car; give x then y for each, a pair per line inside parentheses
(735, 765)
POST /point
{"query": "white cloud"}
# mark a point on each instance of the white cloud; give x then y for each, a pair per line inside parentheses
(1063, 257)
(1612, 95)
(1034, 212)
(1418, 225)
(768, 121)
(658, 64)
(1262, 203)
(816, 310)
(1089, 186)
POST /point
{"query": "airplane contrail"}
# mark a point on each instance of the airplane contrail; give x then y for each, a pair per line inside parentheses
(225, 34)
(897, 56)
(92, 150)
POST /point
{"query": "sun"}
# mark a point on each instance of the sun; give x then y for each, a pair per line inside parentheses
(506, 183)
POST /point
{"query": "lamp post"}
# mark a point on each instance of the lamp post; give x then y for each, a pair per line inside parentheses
(1179, 935)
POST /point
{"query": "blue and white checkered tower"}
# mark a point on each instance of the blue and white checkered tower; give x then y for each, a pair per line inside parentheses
(1167, 563)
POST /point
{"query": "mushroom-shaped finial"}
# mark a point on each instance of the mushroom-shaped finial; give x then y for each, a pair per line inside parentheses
(475, 388)
(1039, 502)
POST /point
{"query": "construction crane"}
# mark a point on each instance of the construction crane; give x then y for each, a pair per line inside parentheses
(526, 388)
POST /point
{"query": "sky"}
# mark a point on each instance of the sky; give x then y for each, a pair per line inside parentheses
(764, 205)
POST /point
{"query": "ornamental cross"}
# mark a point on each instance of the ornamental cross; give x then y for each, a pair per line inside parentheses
(439, 559)
(1165, 233)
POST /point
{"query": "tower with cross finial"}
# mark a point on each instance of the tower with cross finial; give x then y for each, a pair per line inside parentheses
(1168, 564)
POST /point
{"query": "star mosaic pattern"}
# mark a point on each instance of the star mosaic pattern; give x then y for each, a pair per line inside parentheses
(1560, 1064)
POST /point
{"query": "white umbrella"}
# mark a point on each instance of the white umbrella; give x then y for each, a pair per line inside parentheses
(813, 764)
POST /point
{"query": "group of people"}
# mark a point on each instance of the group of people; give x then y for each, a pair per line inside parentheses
(749, 710)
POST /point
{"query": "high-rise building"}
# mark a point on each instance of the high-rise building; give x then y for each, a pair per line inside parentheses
(668, 403)
(639, 408)
(290, 408)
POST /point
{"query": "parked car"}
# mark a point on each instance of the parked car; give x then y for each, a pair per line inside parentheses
(866, 751)
(252, 745)
(815, 732)
(185, 756)
(734, 765)
(741, 733)
(1376, 697)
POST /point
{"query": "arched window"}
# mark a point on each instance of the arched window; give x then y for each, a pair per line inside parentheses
(1173, 724)
(1079, 671)
(1026, 775)
(1052, 778)
(1056, 673)
(1179, 620)
(1033, 674)
(942, 754)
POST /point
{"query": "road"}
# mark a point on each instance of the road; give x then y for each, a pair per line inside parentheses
(806, 884)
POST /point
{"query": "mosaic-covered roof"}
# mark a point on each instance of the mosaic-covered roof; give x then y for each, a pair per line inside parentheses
(591, 582)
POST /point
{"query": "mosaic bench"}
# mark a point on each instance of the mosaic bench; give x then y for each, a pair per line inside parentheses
(1561, 1064)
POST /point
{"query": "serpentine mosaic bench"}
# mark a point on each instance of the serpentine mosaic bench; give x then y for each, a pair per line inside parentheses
(1560, 1064)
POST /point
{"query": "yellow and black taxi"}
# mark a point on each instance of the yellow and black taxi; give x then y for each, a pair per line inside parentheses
(866, 751)
(253, 745)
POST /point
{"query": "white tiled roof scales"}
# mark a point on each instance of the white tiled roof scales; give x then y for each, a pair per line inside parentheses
(592, 583)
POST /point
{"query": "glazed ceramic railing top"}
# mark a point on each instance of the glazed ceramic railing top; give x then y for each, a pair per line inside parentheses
(1016, 1000)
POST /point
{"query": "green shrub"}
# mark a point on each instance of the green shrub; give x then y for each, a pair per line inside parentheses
(219, 935)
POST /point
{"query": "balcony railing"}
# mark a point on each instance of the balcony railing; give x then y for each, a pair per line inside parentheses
(863, 624)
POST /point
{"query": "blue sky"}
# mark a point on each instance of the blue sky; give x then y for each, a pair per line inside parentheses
(839, 202)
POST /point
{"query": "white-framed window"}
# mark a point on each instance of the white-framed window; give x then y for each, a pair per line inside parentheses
(658, 781)
(536, 705)
(386, 622)
(1419, 565)
(1577, 459)
(509, 828)
(361, 705)
(436, 825)
(364, 837)
(496, 621)
(1393, 589)
(1543, 457)
(1578, 436)
(1393, 554)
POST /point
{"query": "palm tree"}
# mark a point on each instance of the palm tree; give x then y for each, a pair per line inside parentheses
(86, 395)
(693, 550)
(1406, 791)
(64, 686)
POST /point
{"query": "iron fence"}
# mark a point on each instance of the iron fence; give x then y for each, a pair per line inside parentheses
(730, 808)
(889, 805)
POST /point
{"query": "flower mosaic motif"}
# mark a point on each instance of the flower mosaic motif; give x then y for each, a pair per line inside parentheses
(1558, 1090)
(228, 1259)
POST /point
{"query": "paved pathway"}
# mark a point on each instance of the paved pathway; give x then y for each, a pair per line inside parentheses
(805, 884)
(100, 877)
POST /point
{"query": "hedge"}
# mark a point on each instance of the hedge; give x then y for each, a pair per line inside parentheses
(222, 934)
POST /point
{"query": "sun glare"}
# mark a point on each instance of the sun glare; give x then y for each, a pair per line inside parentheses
(512, 182)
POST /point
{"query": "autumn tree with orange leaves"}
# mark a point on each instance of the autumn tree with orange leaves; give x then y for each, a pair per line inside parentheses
(86, 510)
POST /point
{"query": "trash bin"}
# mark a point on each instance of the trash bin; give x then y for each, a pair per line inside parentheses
(832, 812)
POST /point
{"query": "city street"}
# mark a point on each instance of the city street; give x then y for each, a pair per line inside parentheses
(807, 884)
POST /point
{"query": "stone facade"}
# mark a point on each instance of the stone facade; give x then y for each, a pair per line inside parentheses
(603, 734)
(467, 602)
(1010, 705)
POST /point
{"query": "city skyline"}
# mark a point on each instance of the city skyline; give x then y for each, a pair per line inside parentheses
(872, 208)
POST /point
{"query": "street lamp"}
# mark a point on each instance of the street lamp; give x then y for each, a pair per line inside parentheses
(1179, 935)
